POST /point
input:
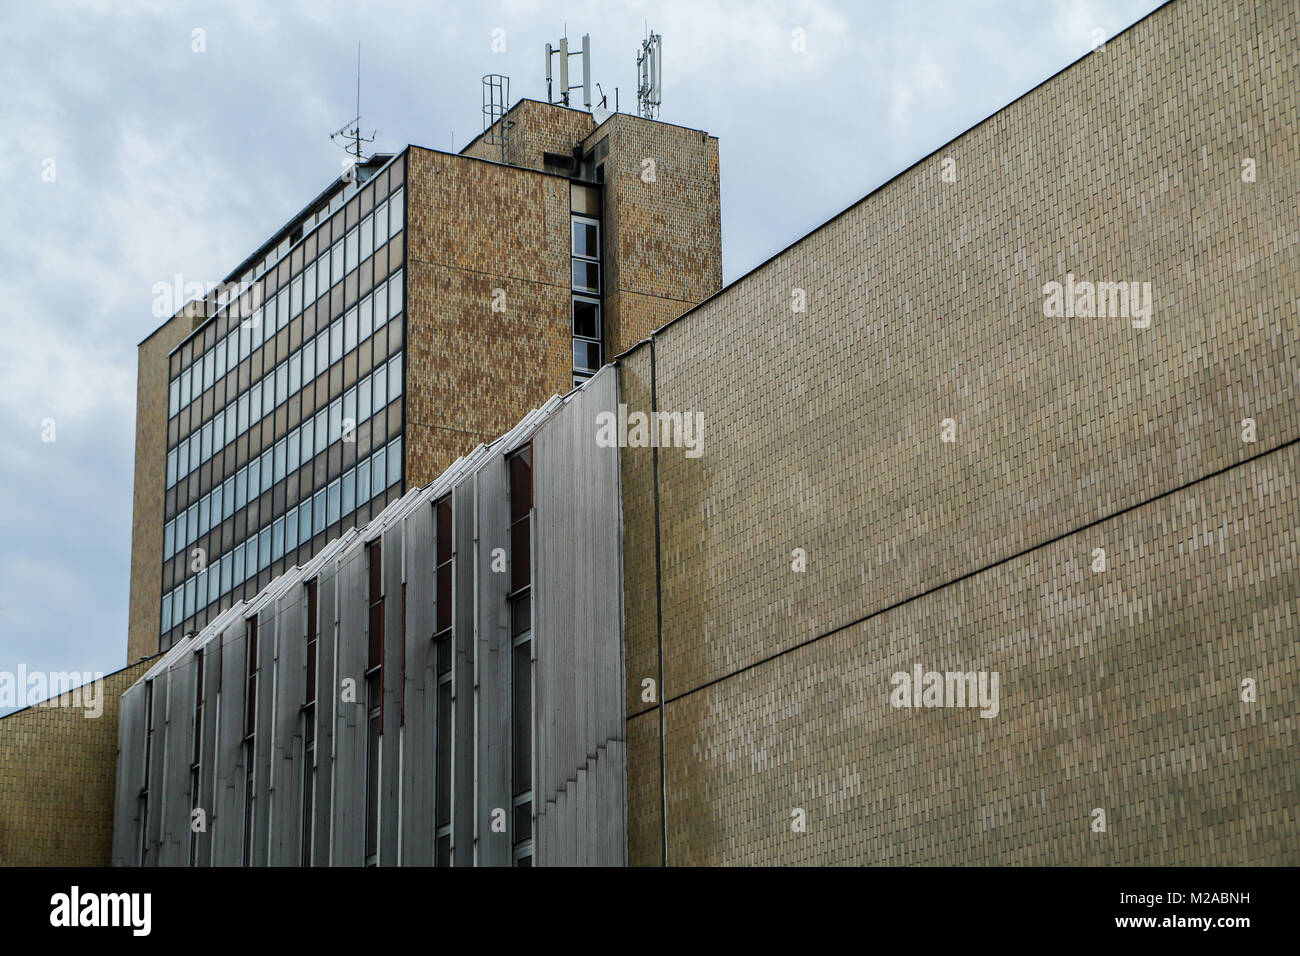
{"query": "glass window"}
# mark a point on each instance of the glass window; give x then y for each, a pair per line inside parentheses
(363, 482)
(228, 497)
(216, 504)
(241, 488)
(237, 569)
(192, 523)
(291, 530)
(277, 539)
(246, 335)
(349, 491)
(336, 340)
(363, 399)
(225, 574)
(183, 459)
(381, 224)
(189, 598)
(308, 353)
(366, 321)
(185, 387)
(586, 355)
(264, 549)
(214, 583)
(395, 460)
(173, 397)
(350, 251)
(336, 263)
(332, 502)
(395, 377)
(254, 478)
(282, 309)
(323, 274)
(241, 417)
(396, 209)
(282, 383)
(381, 306)
(255, 404)
(309, 282)
(350, 409)
(171, 468)
(209, 369)
(394, 295)
(219, 359)
(378, 473)
(181, 531)
(379, 381)
(205, 510)
(169, 539)
(267, 480)
(295, 373)
(268, 396)
(230, 424)
(268, 320)
(308, 433)
(205, 442)
(318, 512)
(166, 612)
(304, 520)
(320, 431)
(292, 462)
(232, 349)
(586, 275)
(281, 447)
(586, 317)
(350, 330)
(322, 352)
(586, 238)
(367, 237)
(336, 420)
(295, 296)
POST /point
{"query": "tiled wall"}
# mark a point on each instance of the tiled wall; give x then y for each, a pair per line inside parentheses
(57, 768)
(824, 432)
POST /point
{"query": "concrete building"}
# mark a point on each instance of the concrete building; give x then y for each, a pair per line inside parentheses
(961, 531)
(413, 310)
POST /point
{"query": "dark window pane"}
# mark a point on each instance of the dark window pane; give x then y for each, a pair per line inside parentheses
(520, 556)
(444, 754)
(522, 719)
(444, 851)
(444, 597)
(586, 319)
(523, 822)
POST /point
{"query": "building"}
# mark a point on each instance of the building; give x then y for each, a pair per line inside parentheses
(1018, 428)
(413, 310)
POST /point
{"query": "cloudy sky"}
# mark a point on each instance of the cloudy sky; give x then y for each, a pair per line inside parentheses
(133, 148)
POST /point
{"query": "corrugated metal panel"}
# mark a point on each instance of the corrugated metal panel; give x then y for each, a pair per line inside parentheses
(227, 822)
(286, 771)
(421, 688)
(390, 766)
(130, 776)
(208, 753)
(179, 732)
(349, 781)
(327, 711)
(464, 731)
(492, 657)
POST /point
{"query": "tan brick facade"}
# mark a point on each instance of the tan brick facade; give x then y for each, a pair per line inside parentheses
(57, 771)
(150, 482)
(925, 303)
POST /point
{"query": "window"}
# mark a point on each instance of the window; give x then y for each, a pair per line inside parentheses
(332, 502)
(350, 251)
(395, 295)
(381, 306)
(336, 341)
(586, 317)
(318, 512)
(336, 263)
(350, 331)
(381, 224)
(586, 238)
(395, 460)
(396, 210)
(395, 377)
(588, 333)
(367, 237)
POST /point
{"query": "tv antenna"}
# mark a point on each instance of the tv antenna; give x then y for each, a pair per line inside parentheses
(348, 136)
(650, 76)
(563, 53)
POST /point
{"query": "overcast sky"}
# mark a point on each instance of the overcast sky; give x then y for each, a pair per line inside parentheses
(165, 160)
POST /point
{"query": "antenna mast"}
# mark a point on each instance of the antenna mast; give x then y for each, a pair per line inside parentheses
(348, 136)
(650, 76)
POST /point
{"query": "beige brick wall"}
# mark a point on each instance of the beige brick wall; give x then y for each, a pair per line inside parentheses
(57, 772)
(923, 303)
(150, 491)
(535, 128)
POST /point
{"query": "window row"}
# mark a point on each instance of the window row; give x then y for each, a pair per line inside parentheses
(336, 422)
(358, 485)
(588, 334)
(288, 378)
(319, 276)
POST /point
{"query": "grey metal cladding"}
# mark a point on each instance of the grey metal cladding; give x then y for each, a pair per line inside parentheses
(179, 732)
(578, 640)
(464, 730)
(130, 776)
(263, 739)
(286, 770)
(418, 739)
(347, 844)
(227, 821)
(327, 705)
(493, 657)
(390, 764)
(208, 748)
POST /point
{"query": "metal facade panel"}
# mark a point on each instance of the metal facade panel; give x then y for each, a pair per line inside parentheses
(264, 731)
(464, 731)
(390, 766)
(349, 777)
(286, 770)
(493, 658)
(418, 740)
(130, 776)
(578, 640)
(179, 752)
(208, 750)
(327, 708)
(226, 825)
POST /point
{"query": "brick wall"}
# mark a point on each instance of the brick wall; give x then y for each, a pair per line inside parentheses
(57, 771)
(1122, 689)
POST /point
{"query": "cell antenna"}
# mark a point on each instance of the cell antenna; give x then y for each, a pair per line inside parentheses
(650, 77)
(348, 136)
(561, 96)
